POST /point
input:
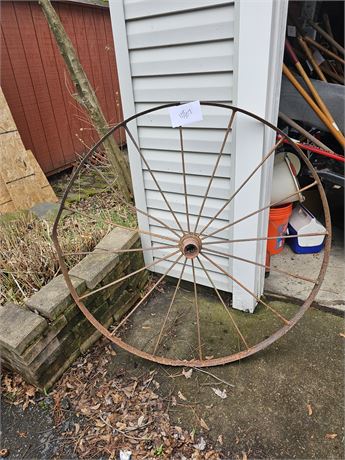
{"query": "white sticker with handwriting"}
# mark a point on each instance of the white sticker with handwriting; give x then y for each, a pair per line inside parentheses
(185, 114)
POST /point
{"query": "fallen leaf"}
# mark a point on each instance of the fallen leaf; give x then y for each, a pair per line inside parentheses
(220, 439)
(30, 391)
(331, 435)
(187, 374)
(4, 453)
(203, 424)
(201, 444)
(173, 401)
(97, 406)
(342, 334)
(180, 395)
(244, 456)
(310, 409)
(220, 393)
(99, 424)
(141, 420)
(22, 434)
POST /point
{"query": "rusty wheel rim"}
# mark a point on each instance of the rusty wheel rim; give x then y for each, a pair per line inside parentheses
(191, 247)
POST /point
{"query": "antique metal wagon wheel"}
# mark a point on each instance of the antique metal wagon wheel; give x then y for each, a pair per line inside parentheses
(192, 245)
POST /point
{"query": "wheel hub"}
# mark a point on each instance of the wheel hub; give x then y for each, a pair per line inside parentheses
(190, 246)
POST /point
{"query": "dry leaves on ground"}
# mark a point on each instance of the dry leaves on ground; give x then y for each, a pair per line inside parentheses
(309, 409)
(331, 435)
(221, 393)
(121, 413)
(16, 390)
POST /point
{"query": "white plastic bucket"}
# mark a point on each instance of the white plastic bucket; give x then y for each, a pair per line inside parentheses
(284, 182)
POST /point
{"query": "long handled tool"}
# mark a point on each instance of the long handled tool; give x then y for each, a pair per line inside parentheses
(324, 50)
(333, 75)
(304, 132)
(328, 37)
(337, 134)
(311, 87)
(328, 28)
(311, 59)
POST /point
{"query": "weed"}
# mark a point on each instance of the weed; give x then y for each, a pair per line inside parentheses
(159, 450)
(28, 259)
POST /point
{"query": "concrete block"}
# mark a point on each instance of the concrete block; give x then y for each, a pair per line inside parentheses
(119, 238)
(52, 299)
(53, 330)
(19, 327)
(94, 267)
(42, 349)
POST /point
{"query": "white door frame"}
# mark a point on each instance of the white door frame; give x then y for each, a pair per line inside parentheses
(259, 44)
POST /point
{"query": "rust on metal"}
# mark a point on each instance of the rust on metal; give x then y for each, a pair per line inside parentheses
(191, 247)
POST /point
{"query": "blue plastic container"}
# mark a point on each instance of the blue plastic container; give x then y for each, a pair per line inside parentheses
(302, 222)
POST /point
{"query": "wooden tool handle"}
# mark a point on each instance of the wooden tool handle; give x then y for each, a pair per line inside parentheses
(311, 59)
(310, 85)
(327, 37)
(337, 134)
(324, 50)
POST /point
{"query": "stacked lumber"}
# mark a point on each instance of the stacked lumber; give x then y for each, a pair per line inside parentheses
(22, 181)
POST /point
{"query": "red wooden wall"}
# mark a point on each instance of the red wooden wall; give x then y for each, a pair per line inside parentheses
(35, 81)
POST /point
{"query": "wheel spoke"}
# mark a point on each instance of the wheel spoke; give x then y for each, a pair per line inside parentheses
(223, 303)
(262, 238)
(153, 177)
(307, 187)
(184, 178)
(120, 251)
(146, 295)
(169, 309)
(281, 317)
(197, 312)
(113, 224)
(226, 254)
(134, 208)
(273, 149)
(228, 130)
(155, 262)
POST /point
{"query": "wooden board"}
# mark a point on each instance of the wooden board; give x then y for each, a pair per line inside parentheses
(13, 158)
(22, 181)
(6, 203)
(24, 192)
(47, 192)
(6, 120)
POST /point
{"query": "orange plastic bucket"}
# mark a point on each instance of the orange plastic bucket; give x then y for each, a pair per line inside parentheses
(277, 225)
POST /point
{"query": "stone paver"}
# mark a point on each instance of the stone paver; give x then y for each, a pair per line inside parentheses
(19, 327)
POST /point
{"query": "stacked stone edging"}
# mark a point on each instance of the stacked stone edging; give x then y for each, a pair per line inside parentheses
(42, 338)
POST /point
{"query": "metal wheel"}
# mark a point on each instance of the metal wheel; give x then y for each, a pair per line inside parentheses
(192, 245)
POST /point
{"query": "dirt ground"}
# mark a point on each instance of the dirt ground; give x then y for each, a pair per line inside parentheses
(284, 402)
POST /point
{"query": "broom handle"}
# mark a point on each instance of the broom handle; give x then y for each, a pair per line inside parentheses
(334, 75)
(311, 87)
(304, 132)
(328, 37)
(337, 134)
(323, 49)
(311, 59)
(328, 28)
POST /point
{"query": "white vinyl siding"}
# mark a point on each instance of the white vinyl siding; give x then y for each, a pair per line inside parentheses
(180, 51)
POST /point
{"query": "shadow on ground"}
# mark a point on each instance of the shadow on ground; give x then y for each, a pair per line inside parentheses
(285, 402)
